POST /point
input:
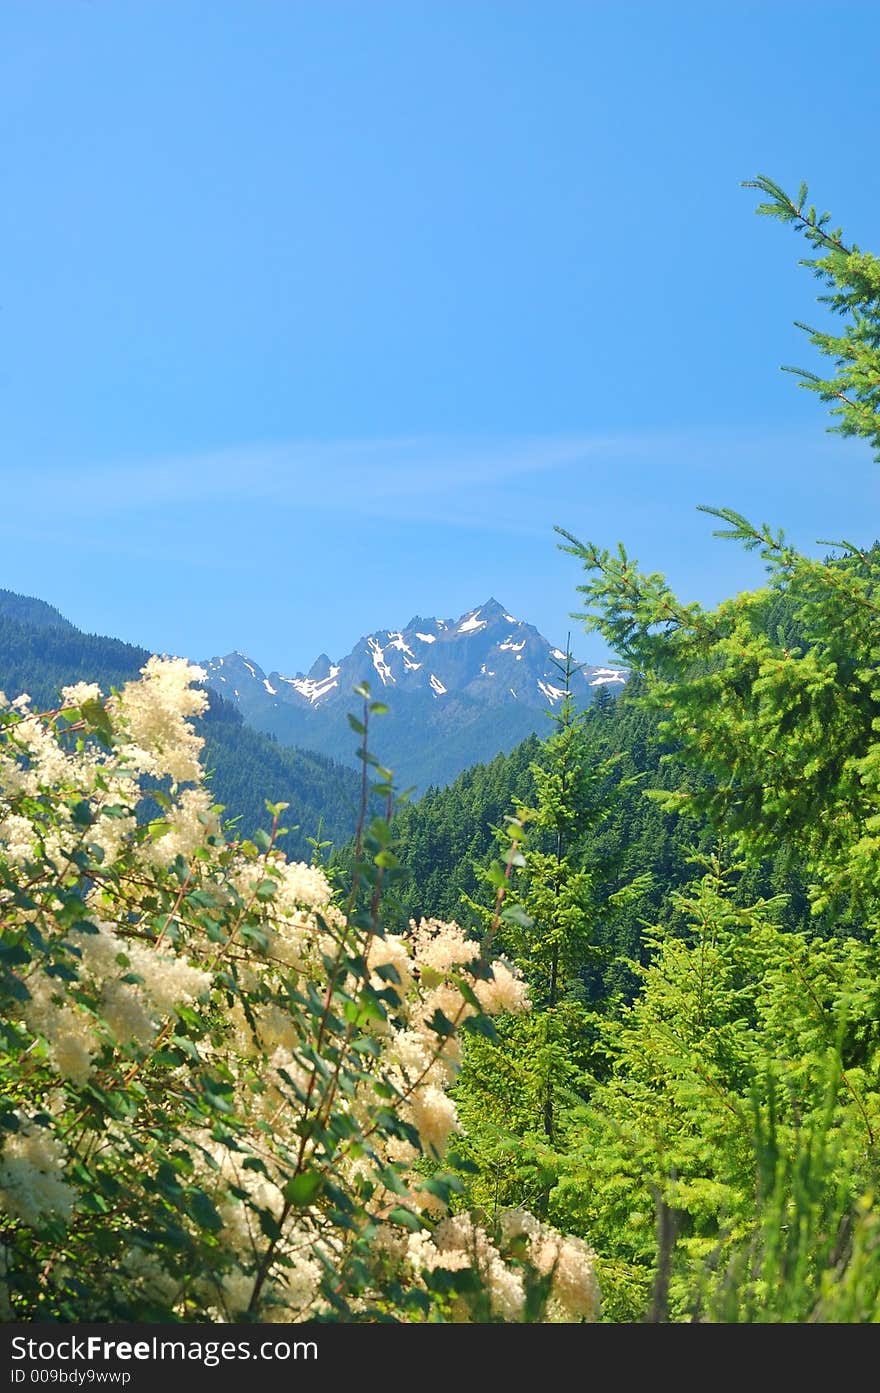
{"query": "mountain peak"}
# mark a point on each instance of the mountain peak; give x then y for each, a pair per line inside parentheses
(27, 609)
(486, 670)
(491, 613)
(320, 667)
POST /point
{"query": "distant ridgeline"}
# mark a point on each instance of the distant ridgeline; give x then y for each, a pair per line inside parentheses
(459, 692)
(41, 651)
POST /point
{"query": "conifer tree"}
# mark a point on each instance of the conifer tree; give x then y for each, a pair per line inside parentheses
(518, 1087)
(744, 1091)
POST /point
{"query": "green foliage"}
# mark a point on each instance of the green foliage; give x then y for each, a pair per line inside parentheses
(776, 731)
(446, 838)
(853, 280)
(726, 1161)
(744, 1091)
(517, 1088)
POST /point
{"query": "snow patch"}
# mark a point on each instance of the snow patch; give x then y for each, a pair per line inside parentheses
(487, 672)
(427, 638)
(607, 674)
(553, 694)
(379, 662)
(558, 654)
(250, 669)
(273, 691)
(512, 693)
(310, 689)
(397, 641)
(508, 647)
(437, 686)
(472, 623)
(510, 619)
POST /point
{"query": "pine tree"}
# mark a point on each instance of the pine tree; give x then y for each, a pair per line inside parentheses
(517, 1089)
(741, 1108)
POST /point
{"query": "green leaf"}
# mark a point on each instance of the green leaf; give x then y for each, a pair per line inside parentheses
(406, 1218)
(303, 1189)
(203, 1211)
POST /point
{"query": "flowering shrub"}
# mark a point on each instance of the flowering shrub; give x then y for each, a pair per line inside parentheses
(225, 1096)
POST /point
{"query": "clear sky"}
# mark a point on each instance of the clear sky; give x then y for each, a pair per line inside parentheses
(316, 315)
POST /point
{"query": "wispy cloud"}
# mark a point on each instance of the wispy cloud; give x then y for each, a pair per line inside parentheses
(348, 475)
(517, 485)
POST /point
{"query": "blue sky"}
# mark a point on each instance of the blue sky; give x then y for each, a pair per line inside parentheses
(315, 316)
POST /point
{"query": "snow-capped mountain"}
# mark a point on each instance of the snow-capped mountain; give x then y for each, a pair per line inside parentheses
(487, 673)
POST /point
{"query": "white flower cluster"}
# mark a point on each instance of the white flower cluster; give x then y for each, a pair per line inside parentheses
(32, 1174)
(320, 1031)
(128, 1008)
(457, 1244)
(154, 712)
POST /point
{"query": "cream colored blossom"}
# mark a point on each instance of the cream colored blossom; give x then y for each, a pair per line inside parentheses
(31, 1175)
(391, 951)
(187, 826)
(518, 1223)
(66, 1027)
(168, 979)
(574, 1287)
(80, 692)
(154, 712)
(302, 885)
(425, 1256)
(449, 1001)
(440, 947)
(237, 1288)
(17, 839)
(112, 834)
(434, 1117)
(127, 1014)
(152, 1279)
(464, 1243)
(505, 991)
(50, 766)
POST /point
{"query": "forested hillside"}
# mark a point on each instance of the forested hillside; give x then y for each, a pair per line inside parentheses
(40, 652)
(447, 840)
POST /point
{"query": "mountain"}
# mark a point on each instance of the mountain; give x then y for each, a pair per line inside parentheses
(41, 651)
(26, 609)
(459, 691)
